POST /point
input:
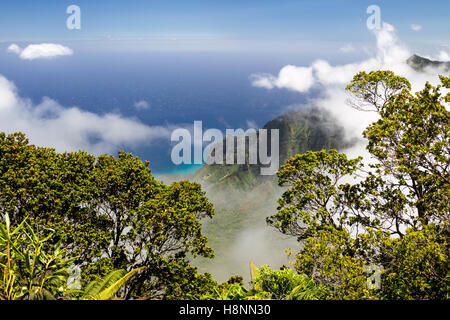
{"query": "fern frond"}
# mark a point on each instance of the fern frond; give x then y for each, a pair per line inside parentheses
(108, 287)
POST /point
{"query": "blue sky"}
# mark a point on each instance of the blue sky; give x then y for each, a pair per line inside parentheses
(264, 20)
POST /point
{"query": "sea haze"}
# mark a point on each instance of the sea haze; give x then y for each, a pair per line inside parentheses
(178, 86)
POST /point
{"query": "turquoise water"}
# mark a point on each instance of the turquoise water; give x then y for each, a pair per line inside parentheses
(181, 169)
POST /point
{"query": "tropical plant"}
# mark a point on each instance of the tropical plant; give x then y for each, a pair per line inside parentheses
(231, 292)
(286, 284)
(232, 289)
(107, 287)
(283, 284)
(30, 267)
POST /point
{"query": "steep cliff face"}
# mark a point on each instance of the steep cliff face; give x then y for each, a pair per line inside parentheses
(307, 129)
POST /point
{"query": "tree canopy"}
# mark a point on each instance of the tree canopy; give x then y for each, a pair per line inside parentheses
(391, 211)
(108, 212)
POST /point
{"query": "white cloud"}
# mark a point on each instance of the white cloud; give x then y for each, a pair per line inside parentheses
(443, 56)
(40, 51)
(416, 27)
(263, 80)
(290, 77)
(69, 129)
(14, 48)
(141, 105)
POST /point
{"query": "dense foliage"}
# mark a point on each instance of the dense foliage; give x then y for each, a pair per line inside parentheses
(392, 213)
(283, 284)
(108, 213)
(28, 271)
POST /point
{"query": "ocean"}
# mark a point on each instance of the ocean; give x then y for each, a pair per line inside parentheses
(179, 88)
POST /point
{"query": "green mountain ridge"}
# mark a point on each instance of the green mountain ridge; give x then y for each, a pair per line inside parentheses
(243, 198)
(307, 129)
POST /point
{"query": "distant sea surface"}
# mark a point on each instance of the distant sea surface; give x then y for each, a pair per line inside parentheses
(179, 87)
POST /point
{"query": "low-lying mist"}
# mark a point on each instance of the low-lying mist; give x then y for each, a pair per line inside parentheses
(239, 233)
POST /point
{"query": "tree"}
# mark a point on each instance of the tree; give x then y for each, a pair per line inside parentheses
(52, 190)
(108, 211)
(410, 142)
(151, 225)
(378, 217)
(314, 201)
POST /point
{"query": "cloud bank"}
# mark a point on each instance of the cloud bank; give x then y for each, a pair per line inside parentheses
(40, 51)
(290, 77)
(71, 128)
